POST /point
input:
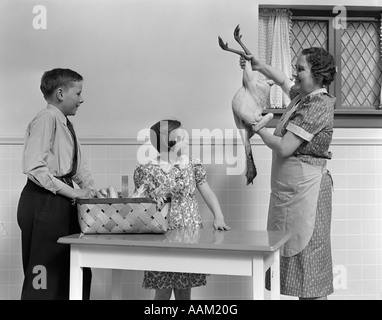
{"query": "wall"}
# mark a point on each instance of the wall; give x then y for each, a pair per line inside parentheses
(143, 60)
(356, 225)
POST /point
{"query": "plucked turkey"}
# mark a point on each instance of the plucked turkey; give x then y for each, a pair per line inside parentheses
(248, 105)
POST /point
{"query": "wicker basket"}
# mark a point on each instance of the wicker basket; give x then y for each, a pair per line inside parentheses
(122, 215)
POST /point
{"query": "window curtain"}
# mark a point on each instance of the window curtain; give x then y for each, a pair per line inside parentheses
(380, 99)
(274, 48)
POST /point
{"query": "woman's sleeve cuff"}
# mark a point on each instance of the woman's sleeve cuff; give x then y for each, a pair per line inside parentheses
(299, 132)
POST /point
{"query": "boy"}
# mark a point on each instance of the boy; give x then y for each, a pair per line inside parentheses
(52, 160)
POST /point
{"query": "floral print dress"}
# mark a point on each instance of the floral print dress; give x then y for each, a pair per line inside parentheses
(309, 274)
(180, 182)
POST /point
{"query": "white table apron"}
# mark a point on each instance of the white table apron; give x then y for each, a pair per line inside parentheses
(227, 262)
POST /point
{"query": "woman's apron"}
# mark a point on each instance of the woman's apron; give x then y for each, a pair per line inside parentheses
(295, 186)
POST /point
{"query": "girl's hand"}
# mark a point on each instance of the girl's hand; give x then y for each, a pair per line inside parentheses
(219, 224)
(171, 226)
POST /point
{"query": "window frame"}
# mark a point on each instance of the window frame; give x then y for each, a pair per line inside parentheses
(344, 117)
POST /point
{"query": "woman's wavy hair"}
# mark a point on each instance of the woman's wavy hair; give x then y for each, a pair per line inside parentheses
(322, 63)
(161, 132)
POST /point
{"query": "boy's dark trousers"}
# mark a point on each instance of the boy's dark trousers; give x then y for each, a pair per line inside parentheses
(43, 218)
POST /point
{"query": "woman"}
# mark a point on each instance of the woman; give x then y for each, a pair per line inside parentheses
(301, 186)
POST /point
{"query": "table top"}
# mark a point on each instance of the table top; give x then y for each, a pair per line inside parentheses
(238, 240)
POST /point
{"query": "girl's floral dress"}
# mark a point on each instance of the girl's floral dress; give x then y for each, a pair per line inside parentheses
(179, 182)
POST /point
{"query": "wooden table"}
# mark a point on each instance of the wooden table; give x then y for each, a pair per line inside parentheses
(234, 252)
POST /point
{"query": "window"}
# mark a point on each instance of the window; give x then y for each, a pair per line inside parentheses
(357, 52)
(360, 70)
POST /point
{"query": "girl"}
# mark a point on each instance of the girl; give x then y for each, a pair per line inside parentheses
(177, 176)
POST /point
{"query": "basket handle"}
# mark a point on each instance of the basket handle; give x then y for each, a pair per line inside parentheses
(125, 187)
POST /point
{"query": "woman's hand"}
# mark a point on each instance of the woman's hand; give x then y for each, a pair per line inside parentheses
(255, 63)
(219, 224)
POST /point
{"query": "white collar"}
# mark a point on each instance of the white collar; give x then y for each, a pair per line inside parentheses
(58, 112)
(298, 99)
(321, 90)
(182, 162)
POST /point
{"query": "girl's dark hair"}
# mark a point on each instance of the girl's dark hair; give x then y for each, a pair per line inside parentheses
(164, 128)
(322, 65)
(56, 78)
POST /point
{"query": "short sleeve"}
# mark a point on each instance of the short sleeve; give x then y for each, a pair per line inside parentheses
(199, 171)
(311, 116)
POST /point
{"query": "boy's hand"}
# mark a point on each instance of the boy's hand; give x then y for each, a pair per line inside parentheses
(219, 224)
(84, 193)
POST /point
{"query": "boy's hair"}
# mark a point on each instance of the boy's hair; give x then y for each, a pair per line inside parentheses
(161, 130)
(56, 78)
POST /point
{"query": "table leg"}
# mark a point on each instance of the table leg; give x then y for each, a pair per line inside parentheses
(116, 284)
(258, 277)
(275, 276)
(76, 274)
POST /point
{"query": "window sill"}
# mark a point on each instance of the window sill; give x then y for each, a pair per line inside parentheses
(344, 118)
